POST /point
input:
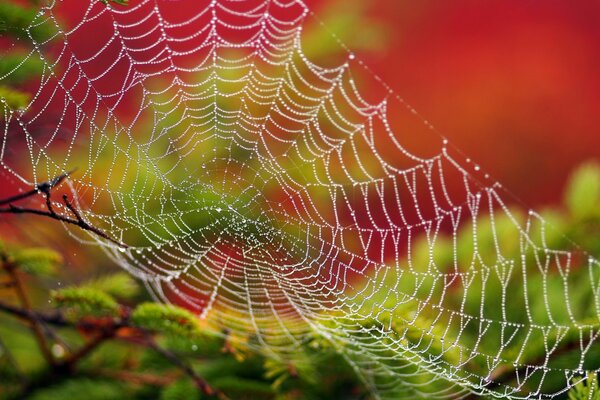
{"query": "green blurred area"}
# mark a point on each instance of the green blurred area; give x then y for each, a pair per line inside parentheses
(315, 370)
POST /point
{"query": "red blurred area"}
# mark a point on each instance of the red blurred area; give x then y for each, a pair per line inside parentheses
(513, 84)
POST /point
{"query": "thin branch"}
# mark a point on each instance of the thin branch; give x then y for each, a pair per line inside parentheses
(54, 319)
(47, 330)
(58, 320)
(189, 371)
(137, 377)
(70, 362)
(45, 189)
(7, 285)
(87, 227)
(26, 304)
(108, 332)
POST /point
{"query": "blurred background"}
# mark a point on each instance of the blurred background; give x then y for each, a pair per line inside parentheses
(513, 85)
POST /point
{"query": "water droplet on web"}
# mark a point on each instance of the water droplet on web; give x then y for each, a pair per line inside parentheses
(160, 206)
(57, 350)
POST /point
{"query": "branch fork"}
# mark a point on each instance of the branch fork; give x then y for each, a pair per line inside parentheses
(45, 189)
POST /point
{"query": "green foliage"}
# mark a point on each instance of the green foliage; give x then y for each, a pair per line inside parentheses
(120, 285)
(585, 389)
(15, 19)
(84, 301)
(17, 66)
(87, 389)
(120, 2)
(34, 261)
(583, 193)
(183, 389)
(497, 244)
(167, 319)
(341, 18)
(37, 261)
(241, 388)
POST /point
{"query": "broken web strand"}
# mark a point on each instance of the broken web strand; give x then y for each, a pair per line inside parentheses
(321, 260)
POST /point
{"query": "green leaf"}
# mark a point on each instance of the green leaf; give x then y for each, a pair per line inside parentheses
(37, 261)
(583, 192)
(166, 319)
(585, 389)
(86, 301)
(119, 285)
(280, 371)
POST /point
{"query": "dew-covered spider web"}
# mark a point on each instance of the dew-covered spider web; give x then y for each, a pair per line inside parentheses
(267, 192)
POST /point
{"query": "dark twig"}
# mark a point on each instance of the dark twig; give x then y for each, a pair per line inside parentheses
(7, 285)
(45, 189)
(55, 319)
(137, 378)
(103, 333)
(189, 371)
(71, 361)
(42, 187)
(80, 222)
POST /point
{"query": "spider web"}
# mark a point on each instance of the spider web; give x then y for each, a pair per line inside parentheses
(263, 191)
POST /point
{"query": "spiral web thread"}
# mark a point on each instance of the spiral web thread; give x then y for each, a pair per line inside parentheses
(262, 191)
